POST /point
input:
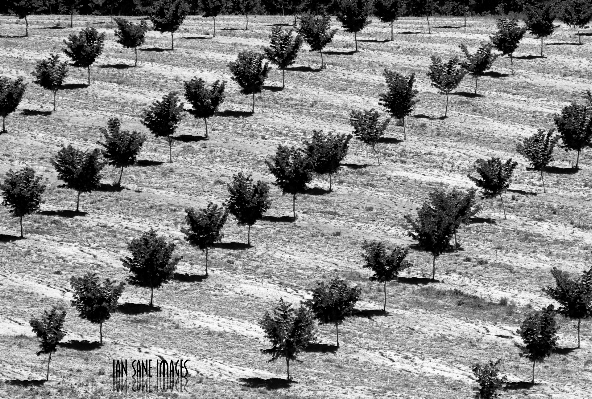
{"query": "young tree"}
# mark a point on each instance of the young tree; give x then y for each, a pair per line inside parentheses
(538, 150)
(11, 94)
(385, 263)
(399, 100)
(368, 128)
(421, 8)
(292, 169)
(121, 147)
(575, 13)
(388, 11)
(168, 15)
(354, 15)
(316, 31)
(250, 72)
(460, 205)
(494, 177)
(152, 263)
(333, 301)
(575, 127)
(162, 118)
(289, 330)
(95, 301)
(246, 7)
(507, 37)
(49, 329)
(84, 48)
(283, 49)
(446, 76)
(50, 74)
(573, 294)
(539, 333)
(479, 62)
(22, 9)
(432, 229)
(80, 170)
(539, 21)
(247, 202)
(488, 378)
(21, 192)
(204, 100)
(70, 7)
(131, 35)
(205, 227)
(212, 8)
(326, 151)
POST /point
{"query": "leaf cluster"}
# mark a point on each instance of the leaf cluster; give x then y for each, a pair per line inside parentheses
(575, 13)
(508, 35)
(162, 117)
(446, 76)
(49, 328)
(488, 378)
(248, 201)
(11, 93)
(574, 126)
(50, 73)
(212, 8)
(249, 71)
(479, 62)
(23, 8)
(94, 300)
(205, 225)
(168, 15)
(459, 205)
(386, 263)
(367, 126)
(432, 228)
(538, 148)
(204, 100)
(354, 15)
(573, 294)
(22, 191)
(539, 333)
(85, 47)
(539, 20)
(493, 175)
(316, 30)
(333, 301)
(326, 151)
(130, 35)
(80, 170)
(284, 47)
(399, 100)
(120, 147)
(292, 169)
(387, 11)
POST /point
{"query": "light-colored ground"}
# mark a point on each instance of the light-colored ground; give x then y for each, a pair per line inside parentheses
(427, 344)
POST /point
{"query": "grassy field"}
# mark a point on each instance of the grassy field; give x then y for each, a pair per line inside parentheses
(432, 335)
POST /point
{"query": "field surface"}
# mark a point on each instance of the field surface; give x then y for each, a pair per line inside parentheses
(432, 334)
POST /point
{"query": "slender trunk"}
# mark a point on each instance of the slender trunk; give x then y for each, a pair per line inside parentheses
(579, 37)
(533, 363)
(356, 40)
(206, 122)
(429, 28)
(206, 261)
(88, 72)
(22, 236)
(26, 27)
(48, 361)
(578, 159)
(253, 107)
(392, 31)
(3, 124)
(120, 175)
(579, 322)
(465, 19)
(446, 112)
(172, 42)
(71, 18)
(542, 44)
(294, 205)
(170, 149)
(54, 99)
(337, 331)
(330, 182)
(214, 26)
(384, 305)
(283, 79)
(136, 62)
(322, 60)
(434, 268)
(512, 63)
(288, 367)
(503, 207)
(404, 130)
(101, 333)
(476, 80)
(543, 180)
(78, 202)
(376, 153)
(151, 295)
(249, 235)
(247, 18)
(455, 241)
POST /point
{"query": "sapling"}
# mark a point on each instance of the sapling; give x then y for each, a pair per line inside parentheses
(316, 31)
(204, 99)
(354, 15)
(507, 37)
(249, 72)
(168, 15)
(574, 126)
(388, 11)
(289, 330)
(212, 8)
(50, 74)
(446, 76)
(22, 9)
(538, 150)
(368, 128)
(131, 35)
(326, 151)
(539, 21)
(399, 100)
(84, 48)
(246, 7)
(283, 49)
(575, 13)
(479, 62)
(460, 205)
(49, 329)
(162, 118)
(494, 177)
(22, 191)
(11, 94)
(489, 379)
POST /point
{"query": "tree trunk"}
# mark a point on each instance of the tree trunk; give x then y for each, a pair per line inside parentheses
(88, 71)
(170, 149)
(136, 62)
(392, 31)
(151, 295)
(26, 27)
(206, 261)
(249, 235)
(214, 26)
(579, 37)
(384, 305)
(253, 108)
(294, 205)
(101, 333)
(120, 175)
(356, 40)
(337, 332)
(71, 18)
(206, 122)
(48, 361)
(330, 182)
(288, 367)
(533, 363)
(455, 241)
(503, 208)
(78, 202)
(3, 125)
(376, 153)
(54, 99)
(429, 28)
(446, 112)
(172, 42)
(542, 44)
(476, 80)
(578, 159)
(22, 236)
(434, 268)
(283, 79)
(543, 180)
(247, 25)
(322, 60)
(579, 322)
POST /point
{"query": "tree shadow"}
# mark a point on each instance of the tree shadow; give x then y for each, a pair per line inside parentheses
(495, 74)
(564, 351)
(584, 33)
(116, 66)
(155, 49)
(189, 138)
(337, 52)
(409, 33)
(373, 40)
(148, 162)
(477, 220)
(54, 27)
(369, 313)
(272, 88)
(231, 29)
(110, 188)
(417, 280)
(11, 36)
(389, 140)
(73, 86)
(356, 166)
(25, 383)
(432, 118)
(234, 114)
(521, 192)
(198, 37)
(278, 219)
(9, 238)
(283, 24)
(267, 383)
(303, 68)
(320, 348)
(81, 345)
(467, 94)
(514, 385)
(563, 44)
(448, 27)
(35, 112)
(316, 191)
(237, 246)
(528, 57)
(189, 278)
(136, 308)
(556, 170)
(63, 213)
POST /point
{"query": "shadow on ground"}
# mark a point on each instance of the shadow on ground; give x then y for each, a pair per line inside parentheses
(467, 94)
(521, 192)
(197, 37)
(564, 351)
(321, 348)
(136, 308)
(317, 191)
(63, 213)
(188, 138)
(514, 385)
(389, 140)
(148, 162)
(267, 383)
(369, 313)
(35, 112)
(272, 88)
(528, 57)
(432, 118)
(73, 86)
(477, 220)
(25, 383)
(278, 219)
(303, 69)
(495, 74)
(237, 246)
(234, 114)
(155, 49)
(9, 238)
(116, 66)
(189, 278)
(110, 188)
(373, 40)
(81, 345)
(356, 166)
(417, 280)
(337, 52)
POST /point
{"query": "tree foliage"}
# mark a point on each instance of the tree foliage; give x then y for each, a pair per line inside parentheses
(368, 128)
(131, 35)
(316, 31)
(79, 169)
(538, 150)
(386, 263)
(460, 205)
(49, 329)
(211, 9)
(249, 72)
(247, 201)
(283, 49)
(539, 334)
(574, 126)
(508, 36)
(21, 192)
(479, 62)
(120, 147)
(575, 13)
(388, 11)
(493, 177)
(205, 227)
(489, 379)
(354, 15)
(289, 330)
(168, 15)
(11, 94)
(539, 21)
(22, 9)
(162, 118)
(50, 73)
(333, 301)
(292, 169)
(84, 48)
(95, 301)
(399, 100)
(245, 7)
(446, 76)
(205, 100)
(326, 151)
(152, 263)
